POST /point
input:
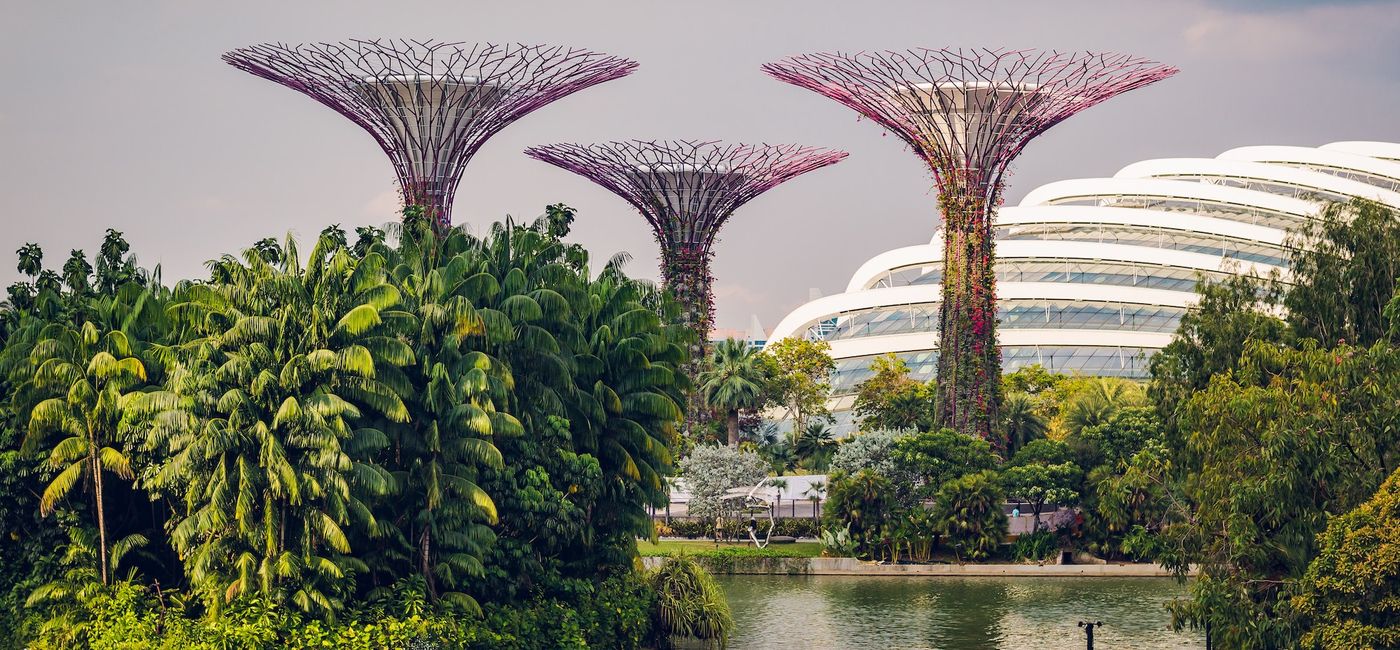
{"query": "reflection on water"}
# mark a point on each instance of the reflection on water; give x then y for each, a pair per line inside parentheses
(892, 613)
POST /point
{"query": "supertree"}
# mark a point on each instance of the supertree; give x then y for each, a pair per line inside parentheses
(686, 191)
(430, 105)
(968, 113)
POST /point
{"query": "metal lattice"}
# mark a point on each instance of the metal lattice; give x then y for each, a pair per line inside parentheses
(968, 113)
(968, 110)
(430, 105)
(686, 190)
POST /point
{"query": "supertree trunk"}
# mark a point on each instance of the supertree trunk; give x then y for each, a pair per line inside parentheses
(686, 271)
(969, 363)
(432, 198)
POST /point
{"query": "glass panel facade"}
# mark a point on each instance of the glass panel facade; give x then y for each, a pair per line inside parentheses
(1122, 274)
(1242, 213)
(1270, 187)
(1014, 314)
(1107, 361)
(1243, 250)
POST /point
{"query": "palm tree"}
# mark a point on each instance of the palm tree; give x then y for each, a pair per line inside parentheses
(634, 392)
(90, 377)
(815, 491)
(593, 352)
(1022, 424)
(814, 446)
(278, 362)
(780, 484)
(1103, 397)
(452, 389)
(732, 381)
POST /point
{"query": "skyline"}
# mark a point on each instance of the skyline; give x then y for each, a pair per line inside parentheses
(208, 165)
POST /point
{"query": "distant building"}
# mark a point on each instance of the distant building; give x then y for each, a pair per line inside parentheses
(1093, 275)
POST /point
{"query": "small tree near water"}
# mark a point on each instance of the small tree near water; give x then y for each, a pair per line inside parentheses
(711, 470)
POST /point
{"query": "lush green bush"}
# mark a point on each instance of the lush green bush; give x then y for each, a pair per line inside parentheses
(689, 604)
(1036, 547)
(127, 616)
(705, 528)
(1350, 595)
(969, 511)
(867, 503)
(489, 417)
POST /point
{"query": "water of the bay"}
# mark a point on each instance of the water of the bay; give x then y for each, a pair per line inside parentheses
(895, 613)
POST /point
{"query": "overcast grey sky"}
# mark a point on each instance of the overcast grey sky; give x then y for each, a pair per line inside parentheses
(120, 114)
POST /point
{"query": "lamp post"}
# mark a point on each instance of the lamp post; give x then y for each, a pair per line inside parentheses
(1089, 632)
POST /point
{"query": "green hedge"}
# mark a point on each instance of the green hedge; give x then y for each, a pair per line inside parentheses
(705, 528)
(615, 614)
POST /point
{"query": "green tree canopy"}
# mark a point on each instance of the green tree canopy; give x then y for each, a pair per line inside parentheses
(1273, 449)
(735, 378)
(800, 381)
(890, 399)
(1350, 595)
(1344, 266)
(936, 457)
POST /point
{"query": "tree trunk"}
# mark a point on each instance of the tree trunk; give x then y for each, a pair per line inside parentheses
(425, 563)
(101, 511)
(734, 428)
(969, 363)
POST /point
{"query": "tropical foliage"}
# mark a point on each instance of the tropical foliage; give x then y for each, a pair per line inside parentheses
(474, 425)
(735, 379)
(1350, 595)
(689, 604)
(1273, 427)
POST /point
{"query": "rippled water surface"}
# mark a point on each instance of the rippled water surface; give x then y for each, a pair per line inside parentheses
(856, 613)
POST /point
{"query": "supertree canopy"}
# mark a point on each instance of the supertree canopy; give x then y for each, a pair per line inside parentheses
(968, 113)
(430, 105)
(686, 191)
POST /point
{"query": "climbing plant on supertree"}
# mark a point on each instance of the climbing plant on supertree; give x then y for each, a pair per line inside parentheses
(968, 113)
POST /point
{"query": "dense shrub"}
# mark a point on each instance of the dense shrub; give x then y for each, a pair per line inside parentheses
(127, 616)
(872, 451)
(1036, 547)
(867, 503)
(705, 528)
(689, 604)
(970, 514)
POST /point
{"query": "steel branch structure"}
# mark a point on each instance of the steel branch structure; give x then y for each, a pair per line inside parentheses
(968, 113)
(430, 105)
(687, 190)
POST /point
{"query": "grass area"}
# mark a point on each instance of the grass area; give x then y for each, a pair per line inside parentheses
(709, 548)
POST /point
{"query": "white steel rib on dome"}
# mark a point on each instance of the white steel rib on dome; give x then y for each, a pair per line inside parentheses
(930, 255)
(1376, 171)
(1383, 150)
(1130, 247)
(1302, 182)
